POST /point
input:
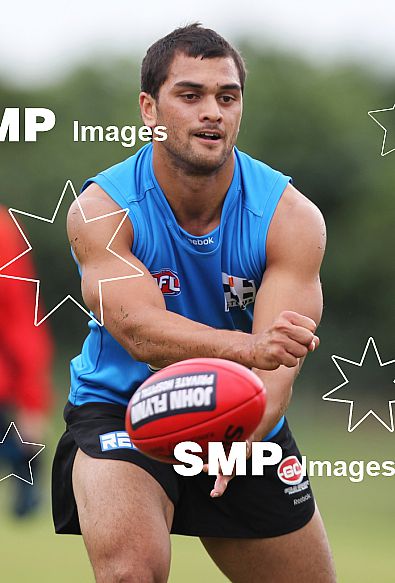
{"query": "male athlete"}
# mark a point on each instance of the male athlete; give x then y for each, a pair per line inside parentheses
(230, 253)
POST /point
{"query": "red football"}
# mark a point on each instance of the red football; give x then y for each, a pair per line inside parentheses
(201, 400)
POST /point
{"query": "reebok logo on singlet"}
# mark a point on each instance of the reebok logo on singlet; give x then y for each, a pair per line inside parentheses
(200, 242)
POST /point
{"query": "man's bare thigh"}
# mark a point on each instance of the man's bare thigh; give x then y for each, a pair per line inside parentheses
(302, 556)
(125, 518)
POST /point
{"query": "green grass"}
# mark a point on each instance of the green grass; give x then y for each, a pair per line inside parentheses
(359, 516)
(31, 552)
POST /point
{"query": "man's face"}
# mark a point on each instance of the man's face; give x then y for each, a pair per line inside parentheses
(200, 103)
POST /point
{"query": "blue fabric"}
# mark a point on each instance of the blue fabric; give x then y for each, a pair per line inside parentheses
(210, 279)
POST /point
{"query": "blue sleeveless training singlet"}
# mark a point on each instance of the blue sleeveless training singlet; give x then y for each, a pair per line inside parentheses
(212, 279)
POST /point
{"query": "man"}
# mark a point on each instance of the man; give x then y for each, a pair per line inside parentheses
(25, 369)
(200, 213)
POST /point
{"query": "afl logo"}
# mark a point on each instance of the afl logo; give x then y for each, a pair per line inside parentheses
(290, 470)
(168, 282)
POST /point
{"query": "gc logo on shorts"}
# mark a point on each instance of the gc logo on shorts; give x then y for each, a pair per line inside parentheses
(290, 470)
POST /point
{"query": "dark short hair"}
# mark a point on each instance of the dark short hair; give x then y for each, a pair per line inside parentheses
(192, 40)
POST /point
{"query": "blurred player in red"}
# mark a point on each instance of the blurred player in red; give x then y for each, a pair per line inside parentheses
(25, 363)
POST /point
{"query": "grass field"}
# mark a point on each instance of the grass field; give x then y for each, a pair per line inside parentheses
(359, 516)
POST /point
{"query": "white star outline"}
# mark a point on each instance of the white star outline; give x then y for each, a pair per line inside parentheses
(382, 153)
(326, 397)
(31, 459)
(100, 322)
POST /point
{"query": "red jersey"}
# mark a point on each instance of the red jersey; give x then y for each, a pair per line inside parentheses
(25, 349)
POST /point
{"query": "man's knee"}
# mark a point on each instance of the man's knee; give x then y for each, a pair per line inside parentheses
(147, 571)
(126, 560)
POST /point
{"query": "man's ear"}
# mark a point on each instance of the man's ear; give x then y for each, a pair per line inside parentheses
(148, 109)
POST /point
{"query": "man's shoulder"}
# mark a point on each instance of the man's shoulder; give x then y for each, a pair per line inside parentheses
(127, 180)
(261, 183)
(298, 227)
(296, 207)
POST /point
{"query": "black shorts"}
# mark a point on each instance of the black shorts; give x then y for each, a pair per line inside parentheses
(252, 506)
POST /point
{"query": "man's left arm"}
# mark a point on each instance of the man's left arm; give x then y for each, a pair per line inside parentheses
(294, 252)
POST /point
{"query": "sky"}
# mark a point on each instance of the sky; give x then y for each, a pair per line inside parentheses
(43, 39)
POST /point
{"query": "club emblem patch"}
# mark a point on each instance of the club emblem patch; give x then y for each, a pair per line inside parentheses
(239, 292)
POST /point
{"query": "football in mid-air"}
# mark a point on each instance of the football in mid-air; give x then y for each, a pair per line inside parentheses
(200, 400)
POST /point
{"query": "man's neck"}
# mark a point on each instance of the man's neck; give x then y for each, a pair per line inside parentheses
(196, 200)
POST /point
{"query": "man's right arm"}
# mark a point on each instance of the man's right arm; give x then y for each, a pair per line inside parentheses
(134, 311)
